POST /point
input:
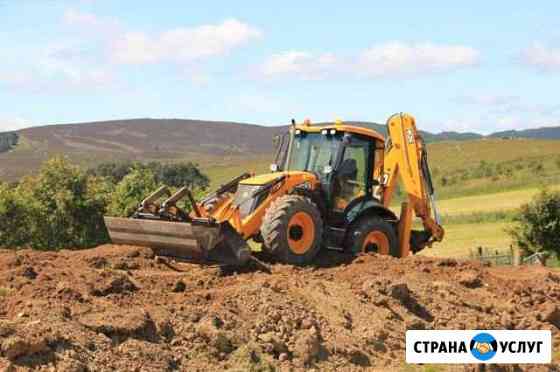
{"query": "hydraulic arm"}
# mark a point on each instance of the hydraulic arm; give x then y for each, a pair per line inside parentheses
(406, 158)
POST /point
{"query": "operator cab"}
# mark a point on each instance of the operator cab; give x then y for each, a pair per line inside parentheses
(347, 160)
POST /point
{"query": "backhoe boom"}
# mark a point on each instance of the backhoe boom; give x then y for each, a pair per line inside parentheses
(406, 158)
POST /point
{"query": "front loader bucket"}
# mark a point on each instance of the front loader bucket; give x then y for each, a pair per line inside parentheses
(203, 242)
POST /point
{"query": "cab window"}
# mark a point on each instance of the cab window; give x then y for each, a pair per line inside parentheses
(351, 179)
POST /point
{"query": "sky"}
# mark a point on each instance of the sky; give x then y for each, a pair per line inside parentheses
(477, 66)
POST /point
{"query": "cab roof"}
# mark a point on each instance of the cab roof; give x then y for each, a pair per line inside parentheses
(342, 128)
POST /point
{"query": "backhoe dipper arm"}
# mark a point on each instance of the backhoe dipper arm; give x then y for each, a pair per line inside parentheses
(406, 156)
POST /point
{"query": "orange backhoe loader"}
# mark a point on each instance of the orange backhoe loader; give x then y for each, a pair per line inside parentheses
(330, 187)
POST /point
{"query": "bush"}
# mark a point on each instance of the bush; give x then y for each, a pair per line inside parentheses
(14, 222)
(59, 208)
(172, 175)
(63, 207)
(133, 188)
(115, 172)
(537, 225)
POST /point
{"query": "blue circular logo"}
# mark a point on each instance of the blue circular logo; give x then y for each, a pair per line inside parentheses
(483, 346)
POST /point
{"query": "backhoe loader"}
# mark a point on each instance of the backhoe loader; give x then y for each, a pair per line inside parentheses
(330, 187)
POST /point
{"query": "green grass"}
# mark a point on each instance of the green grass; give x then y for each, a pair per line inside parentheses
(469, 221)
(478, 217)
(460, 239)
(222, 173)
(453, 155)
(504, 201)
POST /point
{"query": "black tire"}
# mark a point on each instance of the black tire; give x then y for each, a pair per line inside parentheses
(279, 236)
(364, 227)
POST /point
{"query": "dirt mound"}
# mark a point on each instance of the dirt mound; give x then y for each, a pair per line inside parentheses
(121, 308)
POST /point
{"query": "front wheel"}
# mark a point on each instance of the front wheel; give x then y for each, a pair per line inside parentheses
(292, 229)
(373, 234)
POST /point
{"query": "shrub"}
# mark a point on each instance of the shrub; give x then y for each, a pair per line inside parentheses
(59, 208)
(14, 222)
(133, 188)
(537, 225)
(114, 171)
(539, 168)
(172, 174)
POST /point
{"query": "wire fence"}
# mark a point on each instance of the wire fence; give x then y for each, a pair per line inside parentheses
(508, 257)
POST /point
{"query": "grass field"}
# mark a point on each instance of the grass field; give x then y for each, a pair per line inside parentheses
(460, 239)
(504, 201)
(470, 221)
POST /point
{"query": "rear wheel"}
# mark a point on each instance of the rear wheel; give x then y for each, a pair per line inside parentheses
(292, 229)
(373, 234)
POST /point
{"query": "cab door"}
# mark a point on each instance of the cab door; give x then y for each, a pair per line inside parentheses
(353, 177)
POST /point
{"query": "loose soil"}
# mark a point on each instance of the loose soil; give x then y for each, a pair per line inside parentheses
(121, 308)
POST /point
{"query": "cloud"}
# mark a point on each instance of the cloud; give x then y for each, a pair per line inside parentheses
(501, 112)
(303, 64)
(541, 57)
(182, 44)
(392, 59)
(508, 104)
(91, 23)
(490, 100)
(398, 59)
(51, 70)
(14, 123)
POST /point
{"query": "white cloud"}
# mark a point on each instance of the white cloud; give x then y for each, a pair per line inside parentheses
(541, 57)
(50, 72)
(504, 112)
(491, 100)
(398, 59)
(380, 61)
(14, 123)
(183, 44)
(91, 23)
(303, 64)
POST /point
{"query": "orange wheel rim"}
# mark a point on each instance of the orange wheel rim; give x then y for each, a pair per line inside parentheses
(376, 239)
(301, 233)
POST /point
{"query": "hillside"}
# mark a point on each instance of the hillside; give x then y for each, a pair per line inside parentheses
(223, 148)
(546, 133)
(137, 139)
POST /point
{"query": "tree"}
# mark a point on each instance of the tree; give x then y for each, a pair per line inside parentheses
(133, 188)
(537, 227)
(61, 207)
(114, 171)
(14, 222)
(170, 174)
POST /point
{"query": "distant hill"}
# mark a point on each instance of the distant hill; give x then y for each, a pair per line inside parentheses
(154, 136)
(540, 133)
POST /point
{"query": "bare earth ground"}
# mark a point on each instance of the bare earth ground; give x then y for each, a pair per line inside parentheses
(119, 308)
